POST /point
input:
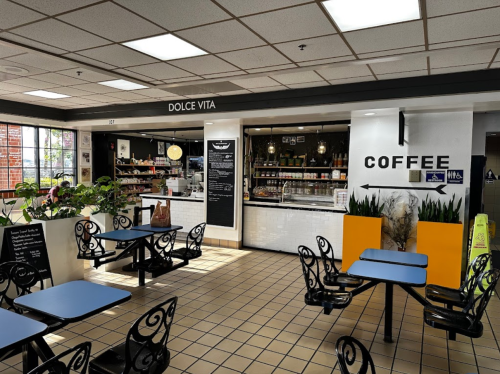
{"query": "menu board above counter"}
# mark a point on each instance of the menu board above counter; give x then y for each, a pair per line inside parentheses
(221, 182)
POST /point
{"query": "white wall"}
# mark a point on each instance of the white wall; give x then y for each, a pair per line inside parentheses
(427, 134)
(227, 129)
(483, 123)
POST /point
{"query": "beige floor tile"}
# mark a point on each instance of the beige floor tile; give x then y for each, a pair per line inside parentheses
(237, 363)
(216, 356)
(293, 364)
(271, 358)
(202, 367)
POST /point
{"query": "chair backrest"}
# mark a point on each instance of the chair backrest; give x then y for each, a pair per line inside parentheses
(310, 269)
(327, 255)
(138, 209)
(74, 360)
(17, 279)
(146, 342)
(165, 244)
(346, 354)
(474, 270)
(121, 222)
(195, 237)
(85, 232)
(477, 305)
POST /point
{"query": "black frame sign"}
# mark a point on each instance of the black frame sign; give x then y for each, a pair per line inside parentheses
(221, 178)
(26, 243)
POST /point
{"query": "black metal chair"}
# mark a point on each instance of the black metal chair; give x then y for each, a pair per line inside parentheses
(73, 360)
(89, 247)
(193, 244)
(121, 222)
(468, 321)
(145, 348)
(162, 261)
(316, 293)
(346, 349)
(333, 277)
(138, 209)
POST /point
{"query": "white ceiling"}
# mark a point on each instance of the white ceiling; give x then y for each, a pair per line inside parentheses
(250, 43)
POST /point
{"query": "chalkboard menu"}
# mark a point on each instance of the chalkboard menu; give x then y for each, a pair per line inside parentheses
(26, 243)
(221, 182)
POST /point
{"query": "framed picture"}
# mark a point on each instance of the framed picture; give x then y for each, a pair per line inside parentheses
(85, 157)
(161, 148)
(123, 148)
(85, 139)
(85, 176)
(286, 139)
(301, 139)
(293, 140)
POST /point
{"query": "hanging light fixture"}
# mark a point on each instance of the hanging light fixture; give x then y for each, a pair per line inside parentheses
(271, 146)
(174, 152)
(321, 145)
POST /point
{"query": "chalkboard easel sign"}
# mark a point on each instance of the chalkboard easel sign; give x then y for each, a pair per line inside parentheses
(26, 243)
(220, 183)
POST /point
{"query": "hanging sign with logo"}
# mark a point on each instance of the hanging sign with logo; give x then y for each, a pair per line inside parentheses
(455, 176)
(435, 176)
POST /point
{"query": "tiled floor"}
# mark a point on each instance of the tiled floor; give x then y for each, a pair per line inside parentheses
(242, 311)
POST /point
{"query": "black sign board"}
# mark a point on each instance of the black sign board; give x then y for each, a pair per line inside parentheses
(27, 244)
(221, 182)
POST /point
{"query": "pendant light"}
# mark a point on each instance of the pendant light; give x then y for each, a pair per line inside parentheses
(321, 145)
(271, 146)
(174, 152)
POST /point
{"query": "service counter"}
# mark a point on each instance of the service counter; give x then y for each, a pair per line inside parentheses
(185, 211)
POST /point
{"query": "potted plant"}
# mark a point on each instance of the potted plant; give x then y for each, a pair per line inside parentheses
(399, 217)
(162, 185)
(362, 228)
(439, 236)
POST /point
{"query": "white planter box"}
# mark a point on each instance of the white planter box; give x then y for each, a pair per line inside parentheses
(62, 249)
(105, 222)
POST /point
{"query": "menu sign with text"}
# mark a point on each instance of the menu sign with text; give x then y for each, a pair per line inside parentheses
(26, 243)
(221, 182)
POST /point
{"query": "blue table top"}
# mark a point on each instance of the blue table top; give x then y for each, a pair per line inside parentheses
(73, 301)
(389, 273)
(156, 229)
(394, 257)
(17, 329)
(124, 235)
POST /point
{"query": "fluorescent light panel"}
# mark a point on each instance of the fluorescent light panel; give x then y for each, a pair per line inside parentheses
(360, 14)
(46, 94)
(165, 47)
(122, 84)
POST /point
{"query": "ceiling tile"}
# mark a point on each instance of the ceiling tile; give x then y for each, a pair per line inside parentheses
(352, 80)
(179, 80)
(458, 43)
(160, 70)
(457, 69)
(118, 55)
(4, 92)
(316, 48)
(102, 98)
(171, 98)
(177, 14)
(70, 91)
(416, 73)
(60, 35)
(255, 82)
(221, 37)
(269, 89)
(95, 88)
(392, 52)
(299, 77)
(7, 51)
(130, 74)
(31, 43)
(238, 92)
(58, 79)
(155, 93)
(80, 100)
(441, 7)
(464, 26)
(89, 61)
(308, 85)
(326, 61)
(401, 35)
(467, 56)
(345, 72)
(112, 22)
(284, 25)
(31, 83)
(40, 61)
(204, 65)
(201, 96)
(272, 68)
(241, 8)
(403, 65)
(124, 95)
(14, 15)
(12, 87)
(254, 57)
(495, 65)
(223, 75)
(52, 7)
(86, 75)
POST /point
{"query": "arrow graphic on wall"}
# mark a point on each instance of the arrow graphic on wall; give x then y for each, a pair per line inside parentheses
(438, 189)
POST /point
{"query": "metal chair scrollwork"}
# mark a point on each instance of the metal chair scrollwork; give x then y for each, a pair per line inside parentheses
(19, 278)
(347, 349)
(145, 348)
(193, 244)
(316, 293)
(333, 277)
(89, 247)
(121, 222)
(77, 362)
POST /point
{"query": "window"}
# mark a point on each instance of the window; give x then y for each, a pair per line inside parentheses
(35, 154)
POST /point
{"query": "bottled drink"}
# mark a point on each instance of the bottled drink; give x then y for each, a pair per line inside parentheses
(344, 160)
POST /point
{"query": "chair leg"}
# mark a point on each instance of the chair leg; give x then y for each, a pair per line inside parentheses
(327, 311)
(451, 335)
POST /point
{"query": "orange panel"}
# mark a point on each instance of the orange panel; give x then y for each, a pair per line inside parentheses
(360, 233)
(442, 243)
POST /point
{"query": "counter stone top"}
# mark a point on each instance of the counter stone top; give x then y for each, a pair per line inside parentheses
(164, 197)
(297, 206)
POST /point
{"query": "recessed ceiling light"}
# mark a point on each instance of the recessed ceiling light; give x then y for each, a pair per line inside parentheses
(46, 94)
(122, 84)
(301, 128)
(360, 14)
(209, 123)
(257, 129)
(369, 114)
(165, 47)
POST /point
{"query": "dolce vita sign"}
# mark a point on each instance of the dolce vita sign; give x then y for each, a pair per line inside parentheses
(187, 106)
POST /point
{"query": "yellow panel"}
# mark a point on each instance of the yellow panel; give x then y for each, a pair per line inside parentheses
(360, 233)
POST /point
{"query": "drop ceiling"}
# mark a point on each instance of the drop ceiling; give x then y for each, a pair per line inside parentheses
(69, 46)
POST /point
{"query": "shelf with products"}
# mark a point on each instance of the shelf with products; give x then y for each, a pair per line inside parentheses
(303, 179)
(303, 168)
